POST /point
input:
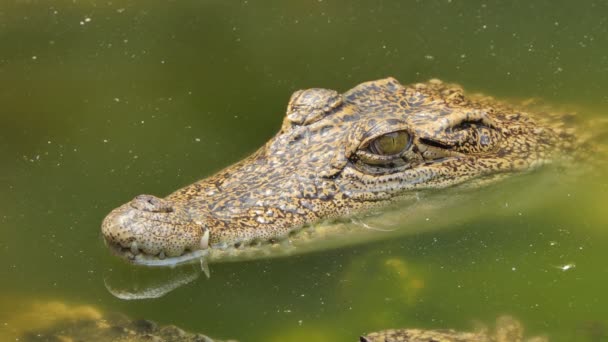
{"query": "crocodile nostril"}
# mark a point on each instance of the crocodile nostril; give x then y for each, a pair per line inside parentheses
(151, 203)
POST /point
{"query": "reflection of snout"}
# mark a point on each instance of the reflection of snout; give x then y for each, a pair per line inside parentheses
(153, 226)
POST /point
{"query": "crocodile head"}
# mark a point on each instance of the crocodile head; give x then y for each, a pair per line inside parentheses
(337, 155)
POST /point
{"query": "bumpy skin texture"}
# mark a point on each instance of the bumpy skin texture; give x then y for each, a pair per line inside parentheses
(323, 163)
(113, 328)
(416, 335)
(507, 329)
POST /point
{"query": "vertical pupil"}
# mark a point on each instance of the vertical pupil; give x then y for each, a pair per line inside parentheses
(391, 143)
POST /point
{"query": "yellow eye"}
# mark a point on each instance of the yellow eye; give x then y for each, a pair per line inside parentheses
(390, 144)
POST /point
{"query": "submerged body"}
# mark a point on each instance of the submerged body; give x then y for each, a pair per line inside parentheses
(335, 156)
(507, 329)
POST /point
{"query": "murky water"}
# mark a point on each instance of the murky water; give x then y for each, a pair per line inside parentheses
(104, 100)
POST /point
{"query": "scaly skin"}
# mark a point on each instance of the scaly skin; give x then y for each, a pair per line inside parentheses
(507, 329)
(327, 161)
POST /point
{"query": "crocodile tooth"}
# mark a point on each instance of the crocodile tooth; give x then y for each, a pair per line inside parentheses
(134, 248)
(205, 240)
(205, 267)
(161, 255)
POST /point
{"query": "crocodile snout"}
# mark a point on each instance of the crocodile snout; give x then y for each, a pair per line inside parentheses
(154, 227)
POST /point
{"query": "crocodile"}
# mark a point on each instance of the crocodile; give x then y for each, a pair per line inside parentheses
(508, 329)
(337, 156)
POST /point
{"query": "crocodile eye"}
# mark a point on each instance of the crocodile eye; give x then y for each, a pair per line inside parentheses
(390, 144)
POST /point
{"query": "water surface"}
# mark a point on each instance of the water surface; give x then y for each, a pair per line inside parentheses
(104, 100)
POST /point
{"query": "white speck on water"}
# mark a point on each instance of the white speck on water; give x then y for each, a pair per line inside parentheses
(197, 139)
(120, 10)
(116, 99)
(429, 57)
(34, 57)
(86, 20)
(567, 267)
(513, 269)
(552, 243)
(162, 62)
(105, 141)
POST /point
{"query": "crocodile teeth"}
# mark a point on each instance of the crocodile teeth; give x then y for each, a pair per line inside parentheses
(205, 240)
(205, 267)
(134, 248)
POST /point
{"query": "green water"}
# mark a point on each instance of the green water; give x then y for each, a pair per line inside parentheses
(104, 100)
